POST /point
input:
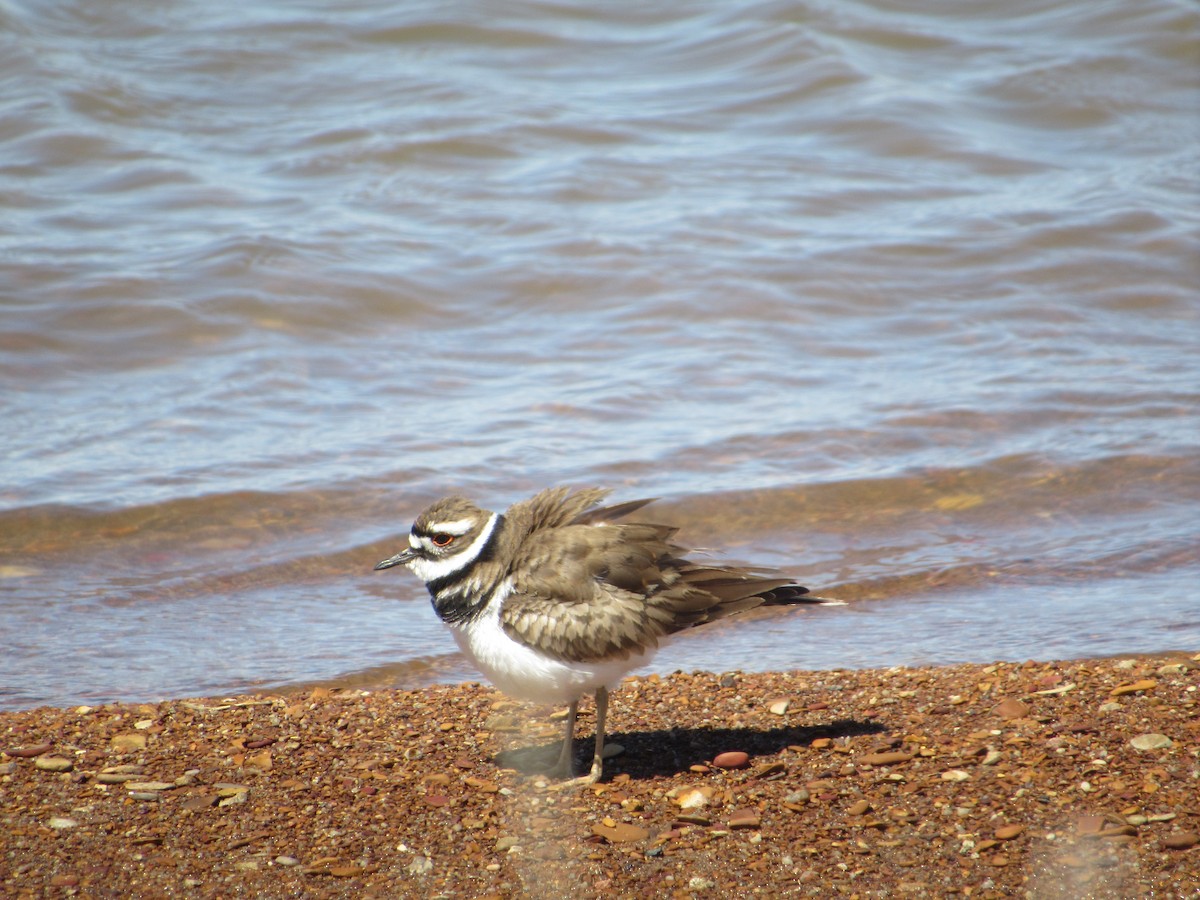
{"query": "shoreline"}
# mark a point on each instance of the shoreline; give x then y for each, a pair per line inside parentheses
(1038, 779)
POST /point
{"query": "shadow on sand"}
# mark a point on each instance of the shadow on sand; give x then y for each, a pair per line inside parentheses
(670, 751)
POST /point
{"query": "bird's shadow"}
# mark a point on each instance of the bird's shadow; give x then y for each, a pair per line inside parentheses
(665, 752)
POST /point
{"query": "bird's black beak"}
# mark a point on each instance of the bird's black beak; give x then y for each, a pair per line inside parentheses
(404, 557)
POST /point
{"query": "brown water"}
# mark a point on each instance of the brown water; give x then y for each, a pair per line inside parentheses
(904, 302)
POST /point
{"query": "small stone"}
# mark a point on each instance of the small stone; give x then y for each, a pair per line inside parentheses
(999, 860)
(65, 879)
(29, 752)
(778, 707)
(1012, 708)
(128, 743)
(1089, 824)
(506, 842)
(1182, 840)
(821, 743)
(116, 777)
(745, 818)
(956, 775)
(1008, 832)
(286, 861)
(992, 757)
(697, 883)
(731, 759)
(421, 865)
(60, 823)
(148, 796)
(612, 749)
(890, 758)
(620, 832)
(149, 786)
(693, 798)
(54, 764)
(1141, 742)
(1110, 706)
(862, 807)
(1136, 687)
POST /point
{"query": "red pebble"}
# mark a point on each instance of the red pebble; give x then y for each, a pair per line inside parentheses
(732, 759)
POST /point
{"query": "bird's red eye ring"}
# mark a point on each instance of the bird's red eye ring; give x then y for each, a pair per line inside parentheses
(442, 539)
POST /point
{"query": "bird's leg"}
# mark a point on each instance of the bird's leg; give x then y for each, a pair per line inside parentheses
(601, 715)
(565, 767)
(598, 757)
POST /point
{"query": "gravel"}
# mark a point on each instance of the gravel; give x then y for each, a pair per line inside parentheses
(1041, 780)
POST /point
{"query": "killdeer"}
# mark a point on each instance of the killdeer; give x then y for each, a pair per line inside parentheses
(555, 598)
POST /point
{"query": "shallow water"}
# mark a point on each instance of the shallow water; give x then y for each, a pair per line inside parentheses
(902, 302)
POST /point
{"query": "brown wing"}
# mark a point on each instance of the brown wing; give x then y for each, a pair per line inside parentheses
(587, 593)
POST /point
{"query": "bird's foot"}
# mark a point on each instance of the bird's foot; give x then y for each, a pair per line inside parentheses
(579, 781)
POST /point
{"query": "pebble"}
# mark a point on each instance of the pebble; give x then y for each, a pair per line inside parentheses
(1182, 840)
(745, 818)
(54, 764)
(778, 708)
(889, 758)
(149, 786)
(731, 759)
(619, 832)
(128, 743)
(1012, 708)
(486, 787)
(1008, 832)
(956, 775)
(29, 752)
(286, 861)
(116, 777)
(1136, 687)
(1151, 742)
(693, 798)
(862, 807)
(59, 823)
(421, 865)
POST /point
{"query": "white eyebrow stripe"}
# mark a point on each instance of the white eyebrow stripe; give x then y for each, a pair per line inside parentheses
(434, 569)
(414, 541)
(458, 527)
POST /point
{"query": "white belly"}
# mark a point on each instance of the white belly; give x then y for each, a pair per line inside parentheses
(523, 672)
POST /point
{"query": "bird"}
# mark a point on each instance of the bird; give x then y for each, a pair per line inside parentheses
(557, 597)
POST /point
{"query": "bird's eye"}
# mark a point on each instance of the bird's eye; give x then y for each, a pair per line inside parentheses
(441, 539)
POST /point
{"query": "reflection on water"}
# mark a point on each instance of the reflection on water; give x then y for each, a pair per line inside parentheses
(903, 303)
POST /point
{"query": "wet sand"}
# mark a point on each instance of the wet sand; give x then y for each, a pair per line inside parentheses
(1041, 780)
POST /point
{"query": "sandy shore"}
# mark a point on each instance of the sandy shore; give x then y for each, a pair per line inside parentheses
(1046, 780)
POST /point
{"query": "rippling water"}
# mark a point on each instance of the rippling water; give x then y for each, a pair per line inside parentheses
(904, 302)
